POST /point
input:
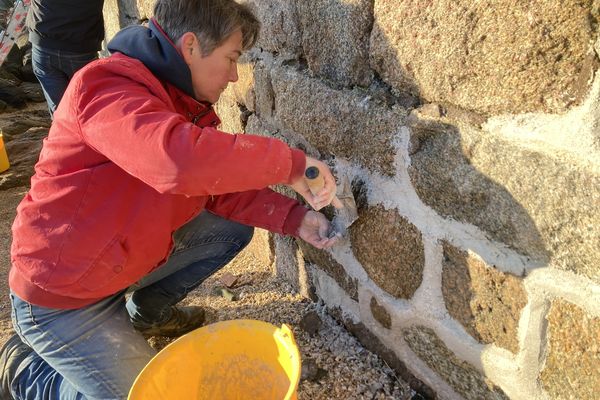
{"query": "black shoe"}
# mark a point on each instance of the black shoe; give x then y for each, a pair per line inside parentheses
(182, 321)
(11, 356)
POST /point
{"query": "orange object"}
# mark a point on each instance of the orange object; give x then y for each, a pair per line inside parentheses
(234, 360)
(314, 180)
(4, 164)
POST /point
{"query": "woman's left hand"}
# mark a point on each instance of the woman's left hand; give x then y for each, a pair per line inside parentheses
(315, 228)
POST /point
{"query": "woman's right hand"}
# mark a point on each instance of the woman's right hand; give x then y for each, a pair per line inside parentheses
(323, 197)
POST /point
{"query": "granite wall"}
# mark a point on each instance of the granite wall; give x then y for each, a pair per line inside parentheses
(470, 132)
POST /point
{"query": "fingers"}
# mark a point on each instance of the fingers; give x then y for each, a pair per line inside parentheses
(320, 197)
(325, 243)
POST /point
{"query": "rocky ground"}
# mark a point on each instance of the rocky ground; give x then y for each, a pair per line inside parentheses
(335, 365)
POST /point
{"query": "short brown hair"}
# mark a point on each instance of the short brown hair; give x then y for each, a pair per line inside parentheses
(212, 21)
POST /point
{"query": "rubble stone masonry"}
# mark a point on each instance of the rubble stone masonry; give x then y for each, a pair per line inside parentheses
(471, 134)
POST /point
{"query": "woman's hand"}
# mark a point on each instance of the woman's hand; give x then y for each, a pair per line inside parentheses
(324, 196)
(314, 229)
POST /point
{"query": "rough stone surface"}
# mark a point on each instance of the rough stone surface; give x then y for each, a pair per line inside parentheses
(264, 96)
(380, 314)
(145, 8)
(280, 31)
(485, 301)
(121, 13)
(33, 92)
(231, 114)
(335, 39)
(572, 364)
(261, 246)
(371, 342)
(325, 262)
(23, 153)
(337, 122)
(390, 250)
(560, 196)
(244, 87)
(493, 57)
(22, 133)
(543, 205)
(463, 378)
(290, 266)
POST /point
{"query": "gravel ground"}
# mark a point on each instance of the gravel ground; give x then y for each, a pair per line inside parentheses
(334, 364)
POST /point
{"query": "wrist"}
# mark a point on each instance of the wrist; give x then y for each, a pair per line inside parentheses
(294, 220)
(298, 165)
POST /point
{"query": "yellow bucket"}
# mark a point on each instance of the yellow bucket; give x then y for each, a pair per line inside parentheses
(4, 164)
(228, 360)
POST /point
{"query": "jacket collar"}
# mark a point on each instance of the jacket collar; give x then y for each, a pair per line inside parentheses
(156, 51)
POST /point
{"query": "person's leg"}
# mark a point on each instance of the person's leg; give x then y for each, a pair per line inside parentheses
(202, 247)
(87, 353)
(53, 81)
(54, 69)
(70, 62)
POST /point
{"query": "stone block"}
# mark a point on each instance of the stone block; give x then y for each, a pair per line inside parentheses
(279, 31)
(335, 39)
(463, 378)
(112, 24)
(372, 343)
(145, 8)
(262, 246)
(118, 14)
(23, 153)
(243, 89)
(344, 123)
(544, 205)
(493, 57)
(390, 250)
(230, 114)
(237, 101)
(380, 314)
(264, 103)
(290, 266)
(325, 262)
(485, 301)
(572, 367)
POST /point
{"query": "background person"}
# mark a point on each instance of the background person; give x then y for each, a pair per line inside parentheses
(65, 35)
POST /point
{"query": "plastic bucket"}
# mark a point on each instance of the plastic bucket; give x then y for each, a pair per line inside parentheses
(4, 164)
(229, 360)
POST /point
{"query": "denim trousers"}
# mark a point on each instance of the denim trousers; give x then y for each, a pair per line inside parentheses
(94, 352)
(55, 68)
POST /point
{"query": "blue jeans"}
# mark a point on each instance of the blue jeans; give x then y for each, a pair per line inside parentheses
(54, 69)
(94, 352)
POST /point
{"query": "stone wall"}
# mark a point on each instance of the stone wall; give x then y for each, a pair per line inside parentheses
(470, 131)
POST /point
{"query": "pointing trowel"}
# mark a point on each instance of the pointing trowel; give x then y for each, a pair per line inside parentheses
(343, 202)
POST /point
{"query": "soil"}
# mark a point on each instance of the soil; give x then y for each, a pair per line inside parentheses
(335, 365)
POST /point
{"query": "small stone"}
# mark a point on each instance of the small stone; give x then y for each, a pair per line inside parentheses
(375, 387)
(309, 370)
(229, 280)
(311, 323)
(225, 293)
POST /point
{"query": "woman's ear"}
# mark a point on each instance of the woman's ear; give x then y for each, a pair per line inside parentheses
(187, 45)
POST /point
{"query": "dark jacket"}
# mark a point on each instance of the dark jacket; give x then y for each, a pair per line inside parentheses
(71, 25)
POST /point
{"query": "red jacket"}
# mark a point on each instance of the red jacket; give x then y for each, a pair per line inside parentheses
(128, 160)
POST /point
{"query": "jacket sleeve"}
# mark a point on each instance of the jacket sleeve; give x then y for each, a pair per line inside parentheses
(134, 124)
(261, 208)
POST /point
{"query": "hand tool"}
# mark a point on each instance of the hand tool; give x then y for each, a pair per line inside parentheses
(344, 204)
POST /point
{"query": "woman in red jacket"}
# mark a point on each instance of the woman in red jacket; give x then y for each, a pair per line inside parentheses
(136, 189)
